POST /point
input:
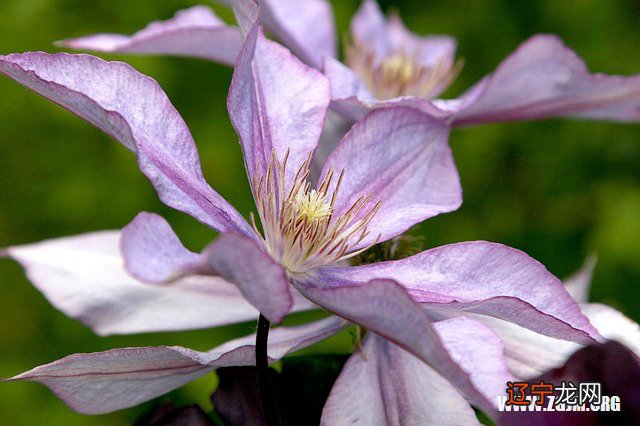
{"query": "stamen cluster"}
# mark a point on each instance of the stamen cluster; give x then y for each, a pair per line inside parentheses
(300, 228)
(400, 73)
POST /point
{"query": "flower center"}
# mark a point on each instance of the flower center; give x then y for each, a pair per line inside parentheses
(398, 68)
(300, 228)
(400, 73)
(312, 206)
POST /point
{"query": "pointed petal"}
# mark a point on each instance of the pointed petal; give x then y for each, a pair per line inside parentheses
(401, 158)
(544, 78)
(153, 253)
(384, 307)
(246, 13)
(135, 111)
(371, 30)
(369, 27)
(485, 278)
(84, 277)
(579, 284)
(276, 104)
(102, 382)
(261, 280)
(384, 384)
(195, 32)
(304, 26)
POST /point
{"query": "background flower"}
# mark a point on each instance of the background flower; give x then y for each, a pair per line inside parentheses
(556, 190)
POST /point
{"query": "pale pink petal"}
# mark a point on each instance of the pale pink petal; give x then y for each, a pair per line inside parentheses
(485, 278)
(84, 277)
(382, 384)
(613, 325)
(430, 51)
(277, 105)
(102, 382)
(479, 352)
(195, 32)
(134, 110)
(304, 26)
(401, 158)
(153, 253)
(345, 84)
(261, 280)
(383, 307)
(528, 353)
(544, 78)
(246, 13)
(371, 30)
(579, 284)
(369, 26)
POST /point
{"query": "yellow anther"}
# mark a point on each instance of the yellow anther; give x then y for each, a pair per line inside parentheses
(312, 206)
(398, 68)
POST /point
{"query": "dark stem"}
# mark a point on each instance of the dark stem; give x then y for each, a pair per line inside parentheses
(263, 373)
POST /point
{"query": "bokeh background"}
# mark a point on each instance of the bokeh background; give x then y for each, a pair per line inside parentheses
(557, 189)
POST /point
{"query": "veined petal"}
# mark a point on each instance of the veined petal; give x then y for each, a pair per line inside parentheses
(382, 384)
(102, 382)
(261, 280)
(304, 26)
(401, 158)
(153, 253)
(544, 78)
(276, 104)
(134, 110)
(84, 277)
(384, 307)
(195, 32)
(485, 278)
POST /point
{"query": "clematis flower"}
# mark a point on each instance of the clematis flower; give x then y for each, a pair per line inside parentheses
(300, 242)
(386, 64)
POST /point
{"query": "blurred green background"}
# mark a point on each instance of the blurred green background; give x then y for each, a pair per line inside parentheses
(557, 189)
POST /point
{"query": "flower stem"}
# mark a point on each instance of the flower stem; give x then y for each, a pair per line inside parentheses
(264, 376)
